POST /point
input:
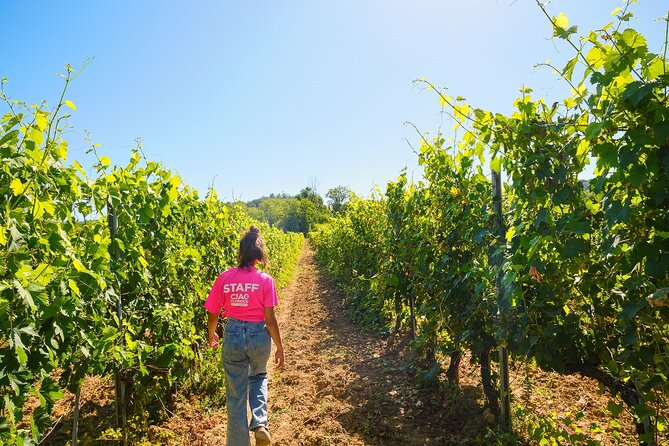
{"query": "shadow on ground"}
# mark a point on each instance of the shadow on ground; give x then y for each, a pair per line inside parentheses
(388, 405)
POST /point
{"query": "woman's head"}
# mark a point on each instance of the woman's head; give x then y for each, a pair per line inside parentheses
(251, 248)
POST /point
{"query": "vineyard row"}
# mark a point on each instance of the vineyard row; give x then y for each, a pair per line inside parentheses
(584, 278)
(77, 299)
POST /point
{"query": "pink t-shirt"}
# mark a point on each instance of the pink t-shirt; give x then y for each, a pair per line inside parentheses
(242, 293)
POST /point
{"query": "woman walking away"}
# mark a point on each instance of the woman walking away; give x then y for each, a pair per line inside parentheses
(247, 297)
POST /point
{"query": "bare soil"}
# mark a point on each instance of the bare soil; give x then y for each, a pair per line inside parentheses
(344, 386)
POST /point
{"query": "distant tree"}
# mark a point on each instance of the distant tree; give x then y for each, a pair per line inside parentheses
(310, 194)
(308, 213)
(253, 212)
(274, 210)
(337, 198)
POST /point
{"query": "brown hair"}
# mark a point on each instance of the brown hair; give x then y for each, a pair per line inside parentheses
(252, 247)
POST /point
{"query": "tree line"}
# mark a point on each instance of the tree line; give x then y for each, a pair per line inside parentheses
(300, 212)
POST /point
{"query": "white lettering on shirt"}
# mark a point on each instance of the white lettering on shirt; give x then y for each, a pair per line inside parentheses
(239, 296)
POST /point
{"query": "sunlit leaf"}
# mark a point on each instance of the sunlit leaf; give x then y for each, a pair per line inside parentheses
(496, 164)
(74, 287)
(41, 207)
(41, 121)
(24, 294)
(61, 149)
(36, 136)
(70, 105)
(17, 187)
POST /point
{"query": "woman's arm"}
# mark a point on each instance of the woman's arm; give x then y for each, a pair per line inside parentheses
(212, 322)
(273, 328)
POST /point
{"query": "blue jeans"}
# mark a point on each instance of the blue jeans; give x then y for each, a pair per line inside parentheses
(246, 350)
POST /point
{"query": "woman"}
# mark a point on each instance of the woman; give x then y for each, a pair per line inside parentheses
(247, 297)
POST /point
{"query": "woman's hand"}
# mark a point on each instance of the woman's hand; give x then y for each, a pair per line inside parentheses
(213, 339)
(212, 323)
(279, 358)
(273, 328)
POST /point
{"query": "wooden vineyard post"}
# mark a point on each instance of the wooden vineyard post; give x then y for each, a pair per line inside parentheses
(505, 403)
(121, 416)
(75, 417)
(412, 310)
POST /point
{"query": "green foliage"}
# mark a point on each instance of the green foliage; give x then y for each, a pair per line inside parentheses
(292, 214)
(209, 380)
(585, 269)
(351, 249)
(62, 273)
(337, 198)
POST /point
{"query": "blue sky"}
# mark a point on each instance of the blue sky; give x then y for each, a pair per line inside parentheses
(269, 96)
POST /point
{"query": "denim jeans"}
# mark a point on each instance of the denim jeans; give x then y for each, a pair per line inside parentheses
(246, 350)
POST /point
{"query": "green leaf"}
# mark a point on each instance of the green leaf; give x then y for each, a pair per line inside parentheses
(36, 136)
(656, 68)
(61, 150)
(79, 168)
(173, 194)
(21, 355)
(641, 411)
(74, 287)
(629, 339)
(632, 39)
(574, 247)
(637, 92)
(561, 21)
(17, 187)
(617, 213)
(19, 347)
(661, 132)
(392, 280)
(41, 121)
(630, 309)
(42, 207)
(568, 70)
(15, 384)
(657, 266)
(79, 266)
(29, 331)
(561, 27)
(9, 138)
(24, 294)
(496, 164)
(582, 150)
(637, 175)
(593, 130)
(130, 343)
(70, 105)
(595, 57)
(607, 155)
(578, 227)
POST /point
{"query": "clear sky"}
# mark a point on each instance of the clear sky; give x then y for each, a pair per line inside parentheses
(271, 95)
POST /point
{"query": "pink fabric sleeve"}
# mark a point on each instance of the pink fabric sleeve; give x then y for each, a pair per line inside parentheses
(214, 302)
(269, 293)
